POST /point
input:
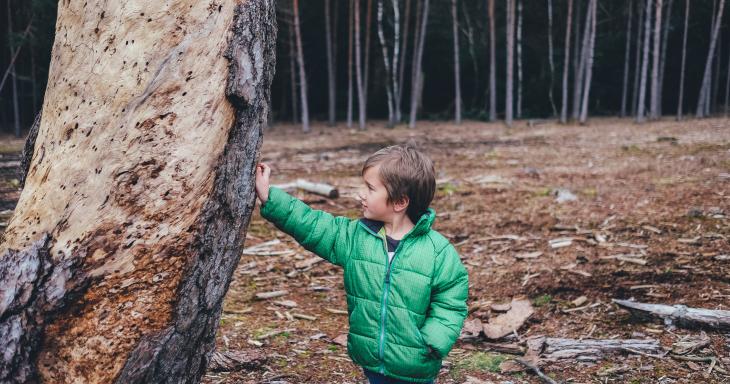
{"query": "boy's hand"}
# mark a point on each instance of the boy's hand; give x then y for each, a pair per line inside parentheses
(262, 182)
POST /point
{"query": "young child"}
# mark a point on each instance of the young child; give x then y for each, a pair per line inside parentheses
(405, 284)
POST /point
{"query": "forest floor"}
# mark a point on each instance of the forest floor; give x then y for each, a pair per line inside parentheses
(657, 196)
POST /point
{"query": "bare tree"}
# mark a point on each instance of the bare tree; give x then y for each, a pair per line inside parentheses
(727, 87)
(350, 48)
(14, 78)
(457, 75)
(386, 65)
(627, 54)
(492, 63)
(640, 116)
(358, 70)
(509, 78)
(396, 54)
(566, 65)
(302, 72)
(366, 72)
(550, 57)
(519, 59)
(401, 70)
(637, 56)
(663, 58)
(330, 64)
(416, 84)
(715, 78)
(114, 268)
(293, 72)
(680, 100)
(469, 33)
(581, 72)
(704, 97)
(654, 101)
(593, 5)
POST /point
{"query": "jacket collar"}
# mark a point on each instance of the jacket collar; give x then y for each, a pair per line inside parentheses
(421, 228)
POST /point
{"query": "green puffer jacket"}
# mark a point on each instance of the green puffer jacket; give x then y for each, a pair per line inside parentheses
(405, 315)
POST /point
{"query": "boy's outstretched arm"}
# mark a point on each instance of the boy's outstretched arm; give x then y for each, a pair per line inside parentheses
(448, 302)
(317, 231)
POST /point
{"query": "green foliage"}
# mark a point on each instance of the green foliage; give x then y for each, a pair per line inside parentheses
(542, 300)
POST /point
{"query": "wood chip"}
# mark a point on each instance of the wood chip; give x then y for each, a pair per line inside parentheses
(269, 295)
(579, 301)
(304, 317)
(336, 311)
(503, 307)
(341, 340)
(560, 242)
(529, 255)
(286, 303)
(509, 322)
(308, 263)
(652, 229)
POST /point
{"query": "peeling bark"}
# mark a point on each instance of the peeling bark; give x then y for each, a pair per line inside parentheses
(136, 202)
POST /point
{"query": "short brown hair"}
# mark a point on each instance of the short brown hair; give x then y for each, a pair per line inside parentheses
(406, 172)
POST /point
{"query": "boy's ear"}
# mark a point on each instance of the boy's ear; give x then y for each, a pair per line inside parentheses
(401, 205)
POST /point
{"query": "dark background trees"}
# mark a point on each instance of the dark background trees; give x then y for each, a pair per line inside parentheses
(437, 99)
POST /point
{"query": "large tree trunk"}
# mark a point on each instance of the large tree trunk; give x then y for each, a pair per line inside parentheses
(551, 62)
(350, 43)
(627, 54)
(302, 72)
(492, 63)
(680, 98)
(509, 78)
(358, 70)
(663, 58)
(640, 116)
(589, 61)
(457, 64)
(136, 203)
(418, 58)
(519, 59)
(566, 65)
(330, 65)
(704, 97)
(637, 57)
(655, 97)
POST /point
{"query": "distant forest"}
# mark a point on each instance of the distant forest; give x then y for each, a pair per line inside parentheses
(336, 58)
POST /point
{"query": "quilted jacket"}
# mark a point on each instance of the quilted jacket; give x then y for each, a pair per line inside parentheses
(404, 315)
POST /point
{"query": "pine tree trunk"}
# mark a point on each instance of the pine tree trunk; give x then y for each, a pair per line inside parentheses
(473, 56)
(13, 80)
(386, 65)
(358, 70)
(330, 64)
(417, 85)
(680, 98)
(663, 59)
(589, 62)
(366, 72)
(576, 57)
(627, 54)
(126, 235)
(509, 78)
(402, 65)
(704, 97)
(581, 74)
(293, 73)
(492, 63)
(566, 65)
(519, 59)
(640, 115)
(637, 57)
(396, 54)
(551, 62)
(302, 72)
(727, 86)
(715, 79)
(350, 33)
(457, 75)
(654, 101)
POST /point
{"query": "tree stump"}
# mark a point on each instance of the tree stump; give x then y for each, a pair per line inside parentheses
(114, 265)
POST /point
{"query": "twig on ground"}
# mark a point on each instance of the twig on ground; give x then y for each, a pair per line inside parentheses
(537, 371)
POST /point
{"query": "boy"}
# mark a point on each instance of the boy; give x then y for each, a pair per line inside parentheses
(405, 284)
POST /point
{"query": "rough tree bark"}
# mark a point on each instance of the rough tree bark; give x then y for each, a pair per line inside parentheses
(457, 74)
(509, 77)
(302, 73)
(330, 65)
(492, 63)
(627, 54)
(680, 98)
(655, 97)
(704, 97)
(141, 187)
(640, 115)
(566, 65)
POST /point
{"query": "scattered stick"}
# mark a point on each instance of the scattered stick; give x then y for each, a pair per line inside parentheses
(593, 349)
(680, 315)
(537, 371)
(321, 189)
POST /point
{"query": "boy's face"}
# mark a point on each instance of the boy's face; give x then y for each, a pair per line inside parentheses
(374, 198)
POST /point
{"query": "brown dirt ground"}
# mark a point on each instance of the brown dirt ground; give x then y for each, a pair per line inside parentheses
(631, 181)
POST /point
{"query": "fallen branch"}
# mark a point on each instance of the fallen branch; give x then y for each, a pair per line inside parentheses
(680, 315)
(537, 371)
(594, 349)
(316, 188)
(236, 360)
